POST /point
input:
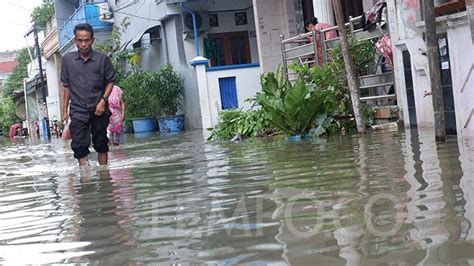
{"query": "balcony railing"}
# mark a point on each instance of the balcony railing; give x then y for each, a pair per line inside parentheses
(51, 41)
(50, 26)
(86, 13)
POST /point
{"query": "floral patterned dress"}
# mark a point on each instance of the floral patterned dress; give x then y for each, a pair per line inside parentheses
(116, 126)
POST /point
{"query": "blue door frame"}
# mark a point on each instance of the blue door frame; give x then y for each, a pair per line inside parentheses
(228, 92)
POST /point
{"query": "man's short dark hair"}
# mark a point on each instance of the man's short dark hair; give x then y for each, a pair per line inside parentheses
(85, 27)
(312, 20)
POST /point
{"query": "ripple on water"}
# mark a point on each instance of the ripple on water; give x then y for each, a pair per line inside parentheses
(178, 199)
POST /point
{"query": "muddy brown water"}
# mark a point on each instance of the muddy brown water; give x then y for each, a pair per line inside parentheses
(392, 198)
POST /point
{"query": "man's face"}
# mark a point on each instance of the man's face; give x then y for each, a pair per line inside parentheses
(310, 27)
(84, 41)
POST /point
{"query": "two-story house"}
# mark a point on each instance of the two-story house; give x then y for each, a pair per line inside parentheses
(220, 48)
(236, 40)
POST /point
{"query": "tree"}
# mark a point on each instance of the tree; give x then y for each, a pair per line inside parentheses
(15, 80)
(7, 113)
(351, 75)
(435, 77)
(113, 47)
(42, 14)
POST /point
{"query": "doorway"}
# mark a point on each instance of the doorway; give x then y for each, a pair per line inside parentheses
(409, 88)
(228, 93)
(308, 11)
(447, 85)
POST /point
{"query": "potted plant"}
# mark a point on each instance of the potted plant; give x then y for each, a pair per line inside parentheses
(141, 104)
(168, 87)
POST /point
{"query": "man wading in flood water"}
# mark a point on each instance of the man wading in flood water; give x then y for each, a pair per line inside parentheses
(88, 77)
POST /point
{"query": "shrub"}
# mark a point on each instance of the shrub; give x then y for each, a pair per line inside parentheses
(333, 74)
(293, 108)
(251, 123)
(148, 94)
(42, 14)
(137, 96)
(168, 86)
(8, 115)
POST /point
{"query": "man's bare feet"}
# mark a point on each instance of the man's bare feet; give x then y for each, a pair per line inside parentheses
(84, 161)
(103, 158)
(85, 173)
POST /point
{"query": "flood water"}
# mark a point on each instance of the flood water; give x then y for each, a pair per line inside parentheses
(392, 198)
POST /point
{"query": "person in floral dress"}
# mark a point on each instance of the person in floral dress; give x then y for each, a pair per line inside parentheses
(117, 108)
(314, 25)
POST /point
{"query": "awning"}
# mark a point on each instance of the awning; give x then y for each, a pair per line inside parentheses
(34, 83)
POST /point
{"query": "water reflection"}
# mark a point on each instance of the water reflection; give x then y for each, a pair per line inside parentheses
(106, 202)
(393, 197)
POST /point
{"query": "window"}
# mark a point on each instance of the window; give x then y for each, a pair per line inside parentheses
(155, 34)
(137, 44)
(231, 48)
(213, 20)
(353, 8)
(241, 18)
(445, 7)
(238, 49)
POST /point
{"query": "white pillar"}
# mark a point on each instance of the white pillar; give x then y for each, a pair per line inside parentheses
(323, 11)
(199, 64)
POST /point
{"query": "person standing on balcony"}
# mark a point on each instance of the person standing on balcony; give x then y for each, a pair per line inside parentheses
(314, 25)
(88, 78)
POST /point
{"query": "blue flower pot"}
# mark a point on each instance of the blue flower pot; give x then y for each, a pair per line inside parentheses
(297, 137)
(294, 138)
(171, 124)
(141, 125)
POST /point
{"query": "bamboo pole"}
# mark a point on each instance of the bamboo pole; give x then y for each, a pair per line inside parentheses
(435, 72)
(351, 75)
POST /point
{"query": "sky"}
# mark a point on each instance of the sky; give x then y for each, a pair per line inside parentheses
(15, 23)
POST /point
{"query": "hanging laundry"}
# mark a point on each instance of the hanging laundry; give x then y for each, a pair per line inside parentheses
(374, 16)
(384, 46)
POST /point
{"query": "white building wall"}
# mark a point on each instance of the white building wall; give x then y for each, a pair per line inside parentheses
(421, 82)
(274, 18)
(54, 110)
(180, 54)
(403, 18)
(461, 52)
(247, 83)
(407, 34)
(152, 58)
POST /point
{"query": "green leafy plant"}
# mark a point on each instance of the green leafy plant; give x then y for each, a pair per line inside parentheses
(20, 72)
(148, 94)
(168, 86)
(137, 97)
(369, 114)
(7, 113)
(42, 14)
(292, 108)
(363, 56)
(333, 74)
(251, 123)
